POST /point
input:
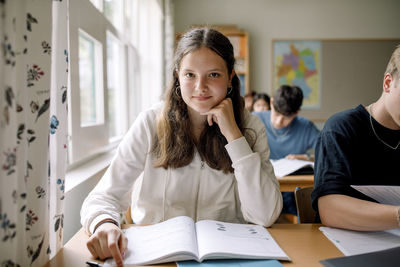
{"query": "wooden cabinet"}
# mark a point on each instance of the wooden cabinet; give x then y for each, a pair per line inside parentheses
(240, 42)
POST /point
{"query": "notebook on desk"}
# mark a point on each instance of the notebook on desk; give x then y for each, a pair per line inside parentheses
(182, 239)
(284, 167)
(351, 242)
(230, 263)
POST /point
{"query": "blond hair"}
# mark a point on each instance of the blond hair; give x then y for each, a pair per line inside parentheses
(393, 66)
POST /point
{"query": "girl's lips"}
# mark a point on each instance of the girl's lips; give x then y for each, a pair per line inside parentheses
(201, 98)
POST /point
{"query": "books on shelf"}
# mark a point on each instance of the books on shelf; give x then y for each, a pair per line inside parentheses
(283, 167)
(180, 239)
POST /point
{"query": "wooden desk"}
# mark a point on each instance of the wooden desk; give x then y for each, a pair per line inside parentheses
(290, 182)
(303, 243)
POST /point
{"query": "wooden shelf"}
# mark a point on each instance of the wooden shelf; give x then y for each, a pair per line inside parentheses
(240, 42)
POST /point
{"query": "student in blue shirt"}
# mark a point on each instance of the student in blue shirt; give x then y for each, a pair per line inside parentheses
(289, 135)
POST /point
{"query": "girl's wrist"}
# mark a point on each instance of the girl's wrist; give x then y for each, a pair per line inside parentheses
(236, 134)
(103, 222)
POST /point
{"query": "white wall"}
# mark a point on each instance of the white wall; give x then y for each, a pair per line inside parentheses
(266, 20)
(73, 203)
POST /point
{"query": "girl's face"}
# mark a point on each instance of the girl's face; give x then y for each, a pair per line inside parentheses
(260, 105)
(204, 80)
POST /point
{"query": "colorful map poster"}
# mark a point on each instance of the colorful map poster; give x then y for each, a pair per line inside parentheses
(299, 63)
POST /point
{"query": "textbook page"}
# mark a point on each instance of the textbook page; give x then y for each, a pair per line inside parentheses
(171, 240)
(216, 240)
(230, 263)
(351, 242)
(385, 194)
(283, 167)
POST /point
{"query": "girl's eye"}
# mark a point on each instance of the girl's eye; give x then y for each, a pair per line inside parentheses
(214, 75)
(189, 75)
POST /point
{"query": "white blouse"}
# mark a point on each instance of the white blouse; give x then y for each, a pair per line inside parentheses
(250, 194)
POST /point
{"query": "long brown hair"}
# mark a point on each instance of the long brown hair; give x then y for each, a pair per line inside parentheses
(175, 142)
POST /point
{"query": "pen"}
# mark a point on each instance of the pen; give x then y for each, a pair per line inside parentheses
(93, 264)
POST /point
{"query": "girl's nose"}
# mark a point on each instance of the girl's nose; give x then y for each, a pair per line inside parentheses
(201, 85)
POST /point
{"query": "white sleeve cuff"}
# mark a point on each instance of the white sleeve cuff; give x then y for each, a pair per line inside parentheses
(238, 149)
(98, 219)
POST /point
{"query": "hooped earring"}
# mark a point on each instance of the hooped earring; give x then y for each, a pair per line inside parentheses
(229, 90)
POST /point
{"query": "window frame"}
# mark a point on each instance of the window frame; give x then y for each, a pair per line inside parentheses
(138, 92)
(121, 90)
(98, 81)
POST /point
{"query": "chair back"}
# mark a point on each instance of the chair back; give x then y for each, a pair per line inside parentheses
(305, 212)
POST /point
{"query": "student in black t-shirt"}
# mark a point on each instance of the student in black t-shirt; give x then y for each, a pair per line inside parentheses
(360, 146)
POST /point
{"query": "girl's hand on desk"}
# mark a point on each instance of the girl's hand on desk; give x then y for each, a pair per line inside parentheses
(108, 241)
(223, 115)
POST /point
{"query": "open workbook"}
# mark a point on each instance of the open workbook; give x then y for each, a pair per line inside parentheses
(180, 239)
(283, 167)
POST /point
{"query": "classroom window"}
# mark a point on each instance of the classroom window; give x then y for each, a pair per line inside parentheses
(115, 86)
(115, 70)
(114, 12)
(98, 4)
(90, 74)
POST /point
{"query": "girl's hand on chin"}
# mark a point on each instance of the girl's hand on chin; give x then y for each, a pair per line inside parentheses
(223, 115)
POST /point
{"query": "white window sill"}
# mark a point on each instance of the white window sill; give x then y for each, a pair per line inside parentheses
(87, 170)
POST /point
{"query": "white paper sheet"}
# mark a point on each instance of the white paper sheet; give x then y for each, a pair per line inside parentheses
(358, 242)
(156, 241)
(384, 194)
(283, 167)
(247, 240)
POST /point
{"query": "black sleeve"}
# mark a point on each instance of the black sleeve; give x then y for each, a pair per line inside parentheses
(334, 155)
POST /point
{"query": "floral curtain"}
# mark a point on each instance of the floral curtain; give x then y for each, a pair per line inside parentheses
(169, 39)
(33, 129)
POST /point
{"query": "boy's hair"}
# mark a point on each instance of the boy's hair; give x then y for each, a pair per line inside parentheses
(288, 100)
(393, 66)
